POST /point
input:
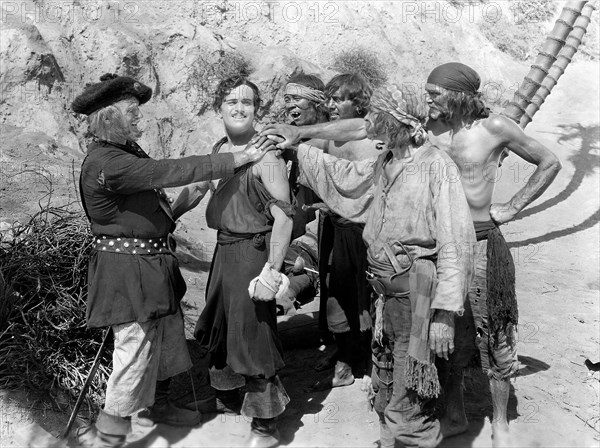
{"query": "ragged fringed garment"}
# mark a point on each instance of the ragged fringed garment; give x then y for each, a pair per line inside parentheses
(424, 207)
(501, 295)
(420, 371)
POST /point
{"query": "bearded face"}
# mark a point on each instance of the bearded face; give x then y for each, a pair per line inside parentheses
(437, 100)
(120, 121)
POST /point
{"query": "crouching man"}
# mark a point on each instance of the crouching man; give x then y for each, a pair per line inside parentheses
(134, 282)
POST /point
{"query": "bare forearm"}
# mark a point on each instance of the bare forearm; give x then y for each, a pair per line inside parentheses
(539, 182)
(340, 130)
(280, 240)
(530, 150)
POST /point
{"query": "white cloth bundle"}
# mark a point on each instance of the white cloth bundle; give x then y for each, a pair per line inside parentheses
(270, 279)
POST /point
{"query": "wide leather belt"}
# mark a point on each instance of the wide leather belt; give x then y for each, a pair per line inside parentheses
(135, 246)
(397, 285)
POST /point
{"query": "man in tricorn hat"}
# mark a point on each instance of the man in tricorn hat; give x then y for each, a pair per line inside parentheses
(134, 282)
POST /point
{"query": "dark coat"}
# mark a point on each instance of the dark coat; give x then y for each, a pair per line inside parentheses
(120, 187)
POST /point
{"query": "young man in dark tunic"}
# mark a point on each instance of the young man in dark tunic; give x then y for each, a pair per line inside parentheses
(134, 283)
(252, 212)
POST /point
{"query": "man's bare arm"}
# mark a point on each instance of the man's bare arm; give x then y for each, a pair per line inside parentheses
(340, 130)
(532, 151)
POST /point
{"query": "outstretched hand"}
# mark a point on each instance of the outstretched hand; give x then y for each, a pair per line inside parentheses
(441, 333)
(289, 135)
(257, 148)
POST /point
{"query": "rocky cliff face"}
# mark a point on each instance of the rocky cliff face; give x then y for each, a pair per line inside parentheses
(50, 49)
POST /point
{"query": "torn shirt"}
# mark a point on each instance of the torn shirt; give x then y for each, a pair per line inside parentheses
(423, 206)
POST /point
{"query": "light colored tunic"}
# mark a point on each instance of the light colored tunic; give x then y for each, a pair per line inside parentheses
(423, 206)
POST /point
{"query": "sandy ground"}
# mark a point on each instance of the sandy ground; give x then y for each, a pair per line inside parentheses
(555, 244)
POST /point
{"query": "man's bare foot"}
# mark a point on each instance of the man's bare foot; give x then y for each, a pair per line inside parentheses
(500, 435)
(451, 427)
(342, 381)
(330, 383)
(342, 377)
(366, 384)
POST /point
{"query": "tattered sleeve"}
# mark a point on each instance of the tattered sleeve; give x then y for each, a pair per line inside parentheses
(346, 187)
(455, 237)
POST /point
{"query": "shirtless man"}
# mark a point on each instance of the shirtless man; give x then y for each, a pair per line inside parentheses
(461, 125)
(345, 293)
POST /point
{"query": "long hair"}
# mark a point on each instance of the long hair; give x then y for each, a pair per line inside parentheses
(465, 106)
(398, 134)
(107, 124)
(351, 86)
(227, 85)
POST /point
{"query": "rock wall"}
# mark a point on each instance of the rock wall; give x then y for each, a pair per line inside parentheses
(50, 49)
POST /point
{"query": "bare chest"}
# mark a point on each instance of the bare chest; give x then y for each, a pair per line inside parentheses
(471, 149)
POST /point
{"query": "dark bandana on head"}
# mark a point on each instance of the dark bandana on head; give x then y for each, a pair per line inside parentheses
(456, 77)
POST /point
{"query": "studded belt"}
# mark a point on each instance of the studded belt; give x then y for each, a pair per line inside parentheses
(135, 246)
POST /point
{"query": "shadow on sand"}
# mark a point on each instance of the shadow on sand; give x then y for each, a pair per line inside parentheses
(300, 337)
(478, 402)
(586, 161)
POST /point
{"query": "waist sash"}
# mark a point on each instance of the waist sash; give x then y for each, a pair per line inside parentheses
(482, 229)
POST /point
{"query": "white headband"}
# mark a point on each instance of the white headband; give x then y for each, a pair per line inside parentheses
(304, 92)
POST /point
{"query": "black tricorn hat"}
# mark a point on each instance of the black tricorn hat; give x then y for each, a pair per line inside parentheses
(109, 90)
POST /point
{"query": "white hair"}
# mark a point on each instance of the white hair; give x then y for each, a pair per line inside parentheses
(108, 123)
